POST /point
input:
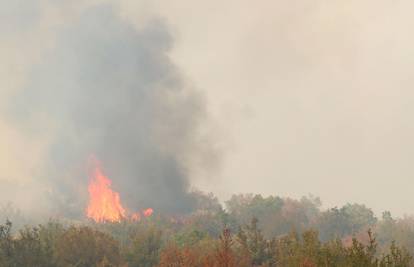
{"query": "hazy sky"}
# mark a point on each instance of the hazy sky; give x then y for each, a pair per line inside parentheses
(303, 96)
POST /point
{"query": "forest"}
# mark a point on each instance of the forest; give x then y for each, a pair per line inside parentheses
(247, 230)
(114, 113)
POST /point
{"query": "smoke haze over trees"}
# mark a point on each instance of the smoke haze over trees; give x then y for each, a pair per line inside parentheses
(253, 231)
(147, 104)
(109, 91)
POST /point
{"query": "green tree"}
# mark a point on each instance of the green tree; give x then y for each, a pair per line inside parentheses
(84, 247)
(253, 245)
(145, 248)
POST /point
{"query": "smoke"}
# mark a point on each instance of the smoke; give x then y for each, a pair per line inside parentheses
(109, 90)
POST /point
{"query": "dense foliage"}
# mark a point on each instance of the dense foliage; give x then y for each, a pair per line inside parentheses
(251, 231)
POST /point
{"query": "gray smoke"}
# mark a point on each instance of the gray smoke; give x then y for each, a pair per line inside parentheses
(110, 90)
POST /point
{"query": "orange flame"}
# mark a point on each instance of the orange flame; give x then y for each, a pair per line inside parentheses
(104, 204)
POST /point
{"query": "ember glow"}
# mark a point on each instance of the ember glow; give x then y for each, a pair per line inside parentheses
(104, 203)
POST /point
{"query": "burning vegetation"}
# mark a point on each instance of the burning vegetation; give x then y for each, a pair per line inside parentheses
(104, 203)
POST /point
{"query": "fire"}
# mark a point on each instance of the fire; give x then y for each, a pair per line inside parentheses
(136, 217)
(104, 204)
(148, 212)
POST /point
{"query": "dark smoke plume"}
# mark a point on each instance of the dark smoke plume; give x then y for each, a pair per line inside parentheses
(110, 90)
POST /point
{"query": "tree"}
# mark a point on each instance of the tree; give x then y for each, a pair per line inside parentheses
(224, 254)
(145, 248)
(361, 255)
(253, 246)
(84, 246)
(397, 258)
